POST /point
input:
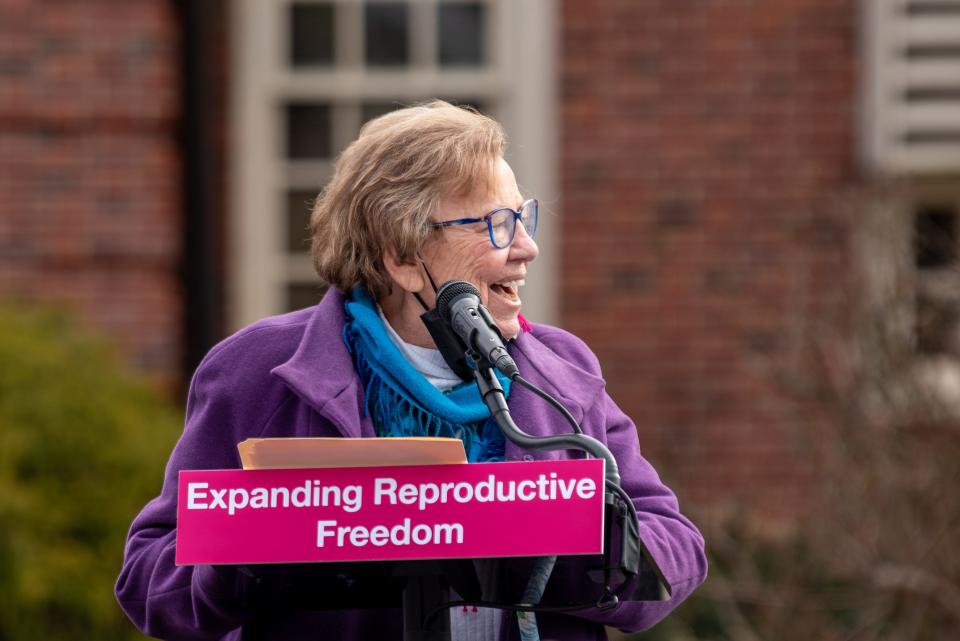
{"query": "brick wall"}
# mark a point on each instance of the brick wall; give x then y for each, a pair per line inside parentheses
(90, 169)
(704, 144)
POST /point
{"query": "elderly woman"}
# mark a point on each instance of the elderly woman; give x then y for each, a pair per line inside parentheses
(422, 196)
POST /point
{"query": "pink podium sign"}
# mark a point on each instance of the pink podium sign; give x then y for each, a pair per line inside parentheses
(390, 513)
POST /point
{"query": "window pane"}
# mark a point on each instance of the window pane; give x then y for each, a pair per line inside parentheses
(371, 110)
(308, 131)
(299, 206)
(461, 34)
(935, 237)
(386, 31)
(300, 295)
(312, 33)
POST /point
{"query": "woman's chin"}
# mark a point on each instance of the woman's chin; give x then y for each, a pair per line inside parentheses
(505, 311)
(510, 328)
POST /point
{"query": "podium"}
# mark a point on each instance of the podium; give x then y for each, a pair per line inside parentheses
(405, 536)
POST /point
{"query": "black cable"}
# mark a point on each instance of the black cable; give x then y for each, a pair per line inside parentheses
(492, 394)
(614, 596)
(560, 408)
(614, 600)
(610, 598)
(576, 428)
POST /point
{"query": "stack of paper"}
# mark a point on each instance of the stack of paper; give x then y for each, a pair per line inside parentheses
(273, 453)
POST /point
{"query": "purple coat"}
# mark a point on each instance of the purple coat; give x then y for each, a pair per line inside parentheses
(291, 375)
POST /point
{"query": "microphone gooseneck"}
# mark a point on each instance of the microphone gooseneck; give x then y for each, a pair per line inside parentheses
(492, 394)
(458, 305)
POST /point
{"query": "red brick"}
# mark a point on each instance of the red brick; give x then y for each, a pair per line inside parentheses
(744, 111)
(90, 170)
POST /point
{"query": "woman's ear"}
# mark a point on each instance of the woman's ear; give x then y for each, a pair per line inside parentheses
(408, 276)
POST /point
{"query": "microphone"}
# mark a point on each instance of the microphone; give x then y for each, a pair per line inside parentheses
(459, 305)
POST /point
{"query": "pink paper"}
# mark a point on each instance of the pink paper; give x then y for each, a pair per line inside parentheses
(390, 513)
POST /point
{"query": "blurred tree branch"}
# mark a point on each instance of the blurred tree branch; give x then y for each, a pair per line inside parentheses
(877, 558)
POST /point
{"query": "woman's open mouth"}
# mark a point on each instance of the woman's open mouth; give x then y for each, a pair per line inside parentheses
(508, 289)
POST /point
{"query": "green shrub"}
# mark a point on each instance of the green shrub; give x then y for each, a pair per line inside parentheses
(82, 448)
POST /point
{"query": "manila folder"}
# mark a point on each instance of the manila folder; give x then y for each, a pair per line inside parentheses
(273, 453)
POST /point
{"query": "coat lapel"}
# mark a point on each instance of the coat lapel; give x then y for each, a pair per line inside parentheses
(575, 388)
(321, 371)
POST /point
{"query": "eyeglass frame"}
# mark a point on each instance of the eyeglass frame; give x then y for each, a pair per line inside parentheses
(517, 216)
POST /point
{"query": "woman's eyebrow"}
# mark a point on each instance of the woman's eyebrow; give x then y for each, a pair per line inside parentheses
(517, 204)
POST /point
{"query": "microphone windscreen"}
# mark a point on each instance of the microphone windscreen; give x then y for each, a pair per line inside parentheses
(451, 291)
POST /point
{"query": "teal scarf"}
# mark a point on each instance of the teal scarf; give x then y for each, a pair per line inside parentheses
(402, 402)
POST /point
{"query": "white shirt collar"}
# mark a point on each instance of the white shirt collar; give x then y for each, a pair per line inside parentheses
(426, 360)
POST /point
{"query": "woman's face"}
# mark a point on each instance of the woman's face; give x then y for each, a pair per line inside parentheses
(464, 252)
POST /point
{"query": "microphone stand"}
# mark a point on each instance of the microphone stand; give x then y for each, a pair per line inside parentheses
(426, 595)
(631, 558)
(492, 393)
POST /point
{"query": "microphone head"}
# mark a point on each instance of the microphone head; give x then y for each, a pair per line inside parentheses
(451, 291)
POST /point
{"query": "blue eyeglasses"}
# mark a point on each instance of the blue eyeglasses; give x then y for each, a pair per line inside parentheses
(502, 223)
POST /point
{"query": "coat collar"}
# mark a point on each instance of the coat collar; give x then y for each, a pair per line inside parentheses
(321, 371)
(575, 388)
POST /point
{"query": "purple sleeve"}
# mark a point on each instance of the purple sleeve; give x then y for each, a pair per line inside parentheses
(671, 538)
(182, 602)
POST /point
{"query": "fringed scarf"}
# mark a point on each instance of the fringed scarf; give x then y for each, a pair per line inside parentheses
(402, 402)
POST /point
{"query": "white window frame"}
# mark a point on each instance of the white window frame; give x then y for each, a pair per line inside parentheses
(522, 44)
(886, 117)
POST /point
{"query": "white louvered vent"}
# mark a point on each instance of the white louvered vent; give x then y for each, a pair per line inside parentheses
(913, 85)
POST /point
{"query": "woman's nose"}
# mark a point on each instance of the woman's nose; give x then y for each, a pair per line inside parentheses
(523, 246)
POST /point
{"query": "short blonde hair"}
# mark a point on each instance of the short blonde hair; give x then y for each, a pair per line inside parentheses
(388, 183)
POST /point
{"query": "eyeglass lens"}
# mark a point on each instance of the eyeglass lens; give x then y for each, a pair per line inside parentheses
(503, 224)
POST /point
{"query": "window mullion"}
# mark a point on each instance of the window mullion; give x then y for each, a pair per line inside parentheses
(423, 35)
(350, 37)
